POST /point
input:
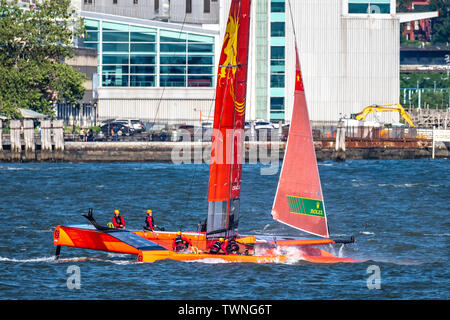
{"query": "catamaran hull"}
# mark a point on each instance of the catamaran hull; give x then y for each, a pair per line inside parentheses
(87, 237)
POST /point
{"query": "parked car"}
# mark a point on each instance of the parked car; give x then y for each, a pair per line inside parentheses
(263, 125)
(122, 129)
(133, 123)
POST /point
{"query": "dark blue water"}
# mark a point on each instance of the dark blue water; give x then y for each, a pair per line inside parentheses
(398, 211)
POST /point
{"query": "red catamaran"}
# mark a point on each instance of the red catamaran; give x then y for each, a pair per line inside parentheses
(298, 201)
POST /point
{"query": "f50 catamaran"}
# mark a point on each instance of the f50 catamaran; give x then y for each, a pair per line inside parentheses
(298, 200)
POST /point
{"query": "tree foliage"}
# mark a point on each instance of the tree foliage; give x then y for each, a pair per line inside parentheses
(441, 24)
(34, 43)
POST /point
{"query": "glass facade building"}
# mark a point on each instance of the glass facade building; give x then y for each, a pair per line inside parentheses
(130, 55)
(369, 6)
(277, 59)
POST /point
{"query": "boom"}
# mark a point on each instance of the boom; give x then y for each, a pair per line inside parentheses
(385, 108)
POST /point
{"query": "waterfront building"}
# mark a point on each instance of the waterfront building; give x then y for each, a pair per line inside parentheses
(157, 59)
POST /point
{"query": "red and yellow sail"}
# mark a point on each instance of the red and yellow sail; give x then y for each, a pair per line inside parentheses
(229, 117)
(299, 200)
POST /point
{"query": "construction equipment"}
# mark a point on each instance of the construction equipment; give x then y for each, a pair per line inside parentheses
(384, 108)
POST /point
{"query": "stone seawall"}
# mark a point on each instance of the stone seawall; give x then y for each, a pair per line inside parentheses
(198, 152)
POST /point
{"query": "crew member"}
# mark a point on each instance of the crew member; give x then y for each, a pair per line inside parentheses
(118, 220)
(149, 222)
(232, 246)
(217, 246)
(180, 243)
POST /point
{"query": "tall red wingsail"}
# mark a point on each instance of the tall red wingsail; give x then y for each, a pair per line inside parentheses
(229, 117)
(299, 200)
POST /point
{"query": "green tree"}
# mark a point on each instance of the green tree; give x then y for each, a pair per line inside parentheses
(441, 24)
(34, 43)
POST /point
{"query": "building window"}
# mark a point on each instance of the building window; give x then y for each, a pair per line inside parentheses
(206, 6)
(156, 6)
(87, 1)
(128, 56)
(277, 6)
(369, 6)
(114, 1)
(277, 29)
(188, 6)
(134, 1)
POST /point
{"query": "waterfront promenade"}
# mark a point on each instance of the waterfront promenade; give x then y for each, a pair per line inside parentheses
(22, 144)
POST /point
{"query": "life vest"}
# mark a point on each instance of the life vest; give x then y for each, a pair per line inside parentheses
(215, 247)
(117, 221)
(179, 243)
(149, 223)
(232, 247)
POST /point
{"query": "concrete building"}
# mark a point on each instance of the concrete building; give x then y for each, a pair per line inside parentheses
(157, 60)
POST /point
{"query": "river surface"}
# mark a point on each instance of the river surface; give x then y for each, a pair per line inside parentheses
(397, 210)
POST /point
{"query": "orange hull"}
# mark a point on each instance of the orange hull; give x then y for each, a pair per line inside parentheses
(89, 238)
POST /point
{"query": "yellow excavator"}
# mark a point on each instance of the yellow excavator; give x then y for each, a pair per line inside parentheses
(384, 108)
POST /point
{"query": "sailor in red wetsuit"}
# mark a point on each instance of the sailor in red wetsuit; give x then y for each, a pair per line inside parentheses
(219, 245)
(149, 222)
(118, 220)
(180, 243)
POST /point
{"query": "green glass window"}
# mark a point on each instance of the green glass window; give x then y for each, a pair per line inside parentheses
(276, 52)
(172, 59)
(115, 69)
(200, 59)
(143, 47)
(201, 47)
(115, 59)
(172, 47)
(172, 81)
(277, 6)
(115, 80)
(91, 36)
(142, 81)
(142, 59)
(369, 6)
(172, 36)
(142, 37)
(277, 29)
(276, 81)
(200, 70)
(276, 104)
(115, 26)
(116, 36)
(115, 47)
(172, 69)
(91, 24)
(199, 38)
(142, 69)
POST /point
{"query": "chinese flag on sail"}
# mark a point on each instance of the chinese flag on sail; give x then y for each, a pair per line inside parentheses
(299, 200)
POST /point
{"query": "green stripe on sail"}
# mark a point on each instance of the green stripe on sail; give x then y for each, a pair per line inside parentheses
(310, 207)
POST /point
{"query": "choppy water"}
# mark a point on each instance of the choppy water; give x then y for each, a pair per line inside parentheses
(398, 211)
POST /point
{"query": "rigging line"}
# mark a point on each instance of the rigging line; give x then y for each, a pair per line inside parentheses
(292, 20)
(164, 88)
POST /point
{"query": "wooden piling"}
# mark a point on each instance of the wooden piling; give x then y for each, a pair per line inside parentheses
(339, 154)
(46, 140)
(16, 144)
(58, 139)
(28, 137)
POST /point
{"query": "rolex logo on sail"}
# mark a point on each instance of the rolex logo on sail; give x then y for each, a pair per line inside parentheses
(310, 207)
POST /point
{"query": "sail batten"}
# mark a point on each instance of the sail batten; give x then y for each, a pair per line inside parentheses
(229, 118)
(299, 199)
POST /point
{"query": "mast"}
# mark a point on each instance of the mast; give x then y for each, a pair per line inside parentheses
(299, 200)
(229, 118)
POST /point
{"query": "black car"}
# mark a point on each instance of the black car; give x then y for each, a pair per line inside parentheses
(121, 128)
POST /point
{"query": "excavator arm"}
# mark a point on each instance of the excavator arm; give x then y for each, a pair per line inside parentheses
(385, 108)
